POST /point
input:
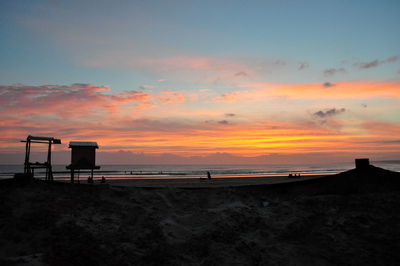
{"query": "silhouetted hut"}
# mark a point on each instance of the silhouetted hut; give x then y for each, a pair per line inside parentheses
(83, 156)
(362, 164)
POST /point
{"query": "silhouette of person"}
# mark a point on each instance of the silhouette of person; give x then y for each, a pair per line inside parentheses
(103, 180)
(208, 175)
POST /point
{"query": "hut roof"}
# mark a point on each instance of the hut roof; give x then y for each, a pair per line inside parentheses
(83, 144)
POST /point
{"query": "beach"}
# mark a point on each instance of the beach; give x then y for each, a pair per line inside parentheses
(206, 183)
(346, 219)
(199, 133)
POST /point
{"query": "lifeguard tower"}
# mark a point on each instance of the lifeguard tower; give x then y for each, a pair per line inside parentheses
(83, 156)
(29, 167)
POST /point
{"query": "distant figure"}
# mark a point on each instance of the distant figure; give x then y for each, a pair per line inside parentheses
(290, 175)
(103, 180)
(208, 175)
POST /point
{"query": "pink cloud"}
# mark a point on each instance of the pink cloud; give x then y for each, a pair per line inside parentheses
(184, 67)
(171, 97)
(193, 63)
(64, 101)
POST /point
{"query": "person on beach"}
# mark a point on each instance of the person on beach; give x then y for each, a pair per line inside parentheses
(208, 175)
(103, 179)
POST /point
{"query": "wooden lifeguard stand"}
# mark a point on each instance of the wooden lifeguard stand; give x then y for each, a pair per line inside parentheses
(29, 167)
(83, 156)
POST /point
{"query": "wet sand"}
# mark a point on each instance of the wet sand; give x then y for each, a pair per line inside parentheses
(206, 183)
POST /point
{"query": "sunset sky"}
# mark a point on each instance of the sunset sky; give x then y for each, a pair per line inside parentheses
(202, 81)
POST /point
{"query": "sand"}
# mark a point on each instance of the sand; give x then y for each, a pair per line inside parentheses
(347, 219)
(206, 183)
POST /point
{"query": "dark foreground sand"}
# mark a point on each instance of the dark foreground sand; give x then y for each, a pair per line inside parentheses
(348, 219)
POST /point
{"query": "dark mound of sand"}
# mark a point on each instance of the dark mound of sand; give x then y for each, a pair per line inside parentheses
(371, 179)
(348, 219)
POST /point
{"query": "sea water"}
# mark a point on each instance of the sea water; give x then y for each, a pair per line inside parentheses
(194, 171)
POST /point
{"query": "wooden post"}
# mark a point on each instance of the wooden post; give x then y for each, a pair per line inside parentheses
(49, 170)
(72, 175)
(27, 154)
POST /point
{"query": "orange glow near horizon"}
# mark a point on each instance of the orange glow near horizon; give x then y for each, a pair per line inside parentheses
(162, 127)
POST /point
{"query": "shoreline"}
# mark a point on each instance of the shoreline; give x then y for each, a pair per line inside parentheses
(162, 176)
(196, 182)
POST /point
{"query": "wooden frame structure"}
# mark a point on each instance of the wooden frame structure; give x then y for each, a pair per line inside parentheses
(29, 167)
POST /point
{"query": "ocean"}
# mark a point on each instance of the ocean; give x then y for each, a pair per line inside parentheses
(194, 171)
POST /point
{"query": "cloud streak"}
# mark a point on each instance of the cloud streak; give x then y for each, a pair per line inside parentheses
(303, 65)
(329, 112)
(334, 71)
(328, 84)
(376, 62)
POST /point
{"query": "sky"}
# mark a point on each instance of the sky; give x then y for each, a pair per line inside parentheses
(266, 82)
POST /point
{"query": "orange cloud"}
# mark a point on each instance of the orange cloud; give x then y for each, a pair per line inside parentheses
(260, 91)
(345, 89)
(383, 129)
(228, 97)
(199, 138)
